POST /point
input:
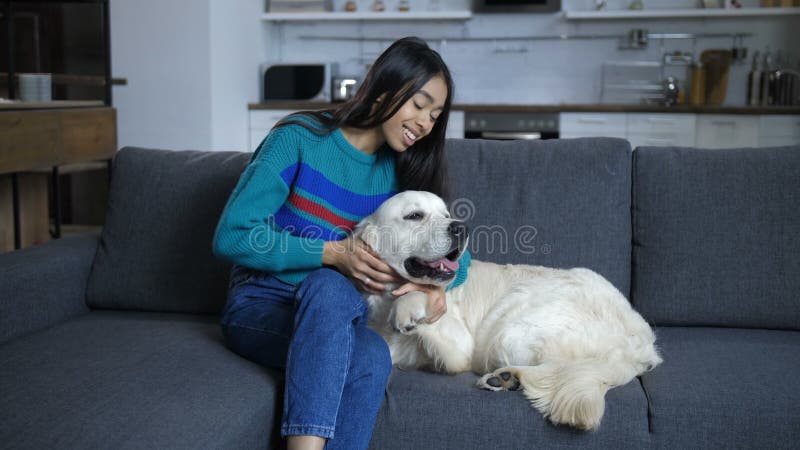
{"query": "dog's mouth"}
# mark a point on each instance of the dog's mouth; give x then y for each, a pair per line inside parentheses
(443, 269)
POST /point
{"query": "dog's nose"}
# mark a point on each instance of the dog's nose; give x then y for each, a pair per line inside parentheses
(458, 230)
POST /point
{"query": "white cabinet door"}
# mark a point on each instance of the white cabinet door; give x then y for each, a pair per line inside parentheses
(727, 131)
(778, 130)
(261, 121)
(661, 130)
(575, 125)
(455, 125)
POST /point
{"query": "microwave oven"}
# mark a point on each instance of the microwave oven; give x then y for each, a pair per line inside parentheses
(297, 81)
(503, 6)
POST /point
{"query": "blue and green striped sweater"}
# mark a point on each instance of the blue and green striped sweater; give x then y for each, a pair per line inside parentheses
(300, 190)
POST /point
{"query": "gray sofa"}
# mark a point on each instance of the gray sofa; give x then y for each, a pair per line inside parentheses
(112, 341)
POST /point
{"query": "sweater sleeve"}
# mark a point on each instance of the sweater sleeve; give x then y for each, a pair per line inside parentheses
(246, 233)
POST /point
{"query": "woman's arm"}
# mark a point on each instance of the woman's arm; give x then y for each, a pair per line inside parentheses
(246, 233)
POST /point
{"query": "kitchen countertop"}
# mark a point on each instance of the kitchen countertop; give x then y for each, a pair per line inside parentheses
(601, 108)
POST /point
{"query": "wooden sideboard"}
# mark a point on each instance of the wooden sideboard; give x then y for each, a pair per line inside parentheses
(43, 137)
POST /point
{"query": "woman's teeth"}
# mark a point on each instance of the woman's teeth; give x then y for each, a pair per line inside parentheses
(409, 134)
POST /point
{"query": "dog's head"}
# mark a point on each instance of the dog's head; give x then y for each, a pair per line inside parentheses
(414, 234)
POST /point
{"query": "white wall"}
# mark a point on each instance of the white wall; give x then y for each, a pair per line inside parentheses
(238, 39)
(162, 48)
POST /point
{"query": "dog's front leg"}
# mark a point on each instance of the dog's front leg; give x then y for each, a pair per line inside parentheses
(447, 341)
(408, 312)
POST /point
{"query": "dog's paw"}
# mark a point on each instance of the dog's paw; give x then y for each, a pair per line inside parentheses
(504, 379)
(408, 313)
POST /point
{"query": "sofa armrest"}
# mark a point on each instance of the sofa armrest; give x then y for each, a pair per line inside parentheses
(44, 285)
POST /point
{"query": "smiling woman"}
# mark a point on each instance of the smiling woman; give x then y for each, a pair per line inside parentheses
(313, 178)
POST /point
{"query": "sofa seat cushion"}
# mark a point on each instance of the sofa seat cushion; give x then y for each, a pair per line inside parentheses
(725, 388)
(425, 410)
(134, 380)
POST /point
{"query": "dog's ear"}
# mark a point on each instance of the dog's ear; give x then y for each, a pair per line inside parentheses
(367, 232)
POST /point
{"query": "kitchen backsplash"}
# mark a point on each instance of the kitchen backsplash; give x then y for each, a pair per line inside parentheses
(531, 70)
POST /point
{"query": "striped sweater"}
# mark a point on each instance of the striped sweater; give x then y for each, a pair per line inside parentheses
(299, 191)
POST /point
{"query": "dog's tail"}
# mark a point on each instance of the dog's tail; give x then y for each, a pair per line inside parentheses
(573, 392)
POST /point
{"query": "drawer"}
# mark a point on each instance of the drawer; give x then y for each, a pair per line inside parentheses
(727, 131)
(593, 124)
(785, 126)
(778, 141)
(662, 139)
(265, 119)
(661, 123)
(575, 135)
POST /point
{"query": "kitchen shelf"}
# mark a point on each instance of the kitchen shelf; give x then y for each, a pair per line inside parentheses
(367, 15)
(676, 13)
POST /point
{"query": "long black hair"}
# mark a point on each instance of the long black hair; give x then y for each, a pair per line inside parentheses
(398, 73)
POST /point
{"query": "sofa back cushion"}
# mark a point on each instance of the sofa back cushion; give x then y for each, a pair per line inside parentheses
(155, 248)
(717, 236)
(563, 203)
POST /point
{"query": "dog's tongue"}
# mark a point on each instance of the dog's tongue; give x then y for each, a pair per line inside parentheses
(449, 265)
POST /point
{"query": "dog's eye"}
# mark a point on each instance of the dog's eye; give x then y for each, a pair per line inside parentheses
(414, 216)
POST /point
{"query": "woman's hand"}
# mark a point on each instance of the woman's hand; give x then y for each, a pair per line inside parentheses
(437, 304)
(356, 260)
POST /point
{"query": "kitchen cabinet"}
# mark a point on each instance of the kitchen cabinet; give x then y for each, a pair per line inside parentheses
(727, 131)
(685, 130)
(575, 125)
(261, 121)
(455, 125)
(641, 129)
(778, 130)
(661, 130)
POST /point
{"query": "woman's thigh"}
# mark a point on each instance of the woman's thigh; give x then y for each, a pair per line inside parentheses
(258, 319)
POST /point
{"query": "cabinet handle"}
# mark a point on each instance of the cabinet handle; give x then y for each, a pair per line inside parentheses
(659, 120)
(658, 141)
(591, 120)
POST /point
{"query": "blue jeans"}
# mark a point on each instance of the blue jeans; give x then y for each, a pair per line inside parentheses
(336, 368)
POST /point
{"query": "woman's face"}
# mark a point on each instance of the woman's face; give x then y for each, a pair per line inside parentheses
(416, 118)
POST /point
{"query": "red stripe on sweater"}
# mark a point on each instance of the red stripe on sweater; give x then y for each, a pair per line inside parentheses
(317, 210)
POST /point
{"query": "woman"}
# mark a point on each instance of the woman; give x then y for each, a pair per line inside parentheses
(292, 302)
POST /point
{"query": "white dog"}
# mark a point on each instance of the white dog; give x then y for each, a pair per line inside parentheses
(565, 337)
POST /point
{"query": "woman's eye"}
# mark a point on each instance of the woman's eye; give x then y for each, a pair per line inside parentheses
(418, 107)
(414, 216)
(434, 118)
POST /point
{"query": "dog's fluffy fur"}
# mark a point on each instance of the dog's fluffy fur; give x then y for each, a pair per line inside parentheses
(565, 337)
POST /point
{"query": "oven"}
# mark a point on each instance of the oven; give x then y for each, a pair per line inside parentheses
(510, 125)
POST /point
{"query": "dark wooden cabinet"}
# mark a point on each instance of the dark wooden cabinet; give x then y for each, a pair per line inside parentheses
(68, 39)
(53, 155)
